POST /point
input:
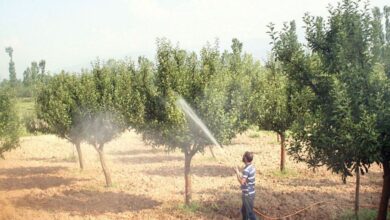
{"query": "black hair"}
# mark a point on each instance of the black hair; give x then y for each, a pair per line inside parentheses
(248, 156)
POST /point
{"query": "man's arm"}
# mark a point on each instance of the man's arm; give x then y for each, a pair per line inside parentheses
(241, 179)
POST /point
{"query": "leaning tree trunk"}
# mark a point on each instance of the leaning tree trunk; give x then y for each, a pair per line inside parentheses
(187, 177)
(357, 192)
(212, 152)
(106, 172)
(282, 152)
(80, 155)
(382, 213)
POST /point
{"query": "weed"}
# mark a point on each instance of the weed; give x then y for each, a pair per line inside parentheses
(25, 109)
(191, 208)
(254, 134)
(70, 158)
(364, 214)
(287, 173)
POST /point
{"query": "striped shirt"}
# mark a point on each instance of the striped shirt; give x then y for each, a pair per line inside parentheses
(249, 173)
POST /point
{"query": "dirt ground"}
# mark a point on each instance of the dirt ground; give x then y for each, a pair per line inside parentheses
(41, 180)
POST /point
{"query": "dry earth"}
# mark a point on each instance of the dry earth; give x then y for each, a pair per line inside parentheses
(41, 180)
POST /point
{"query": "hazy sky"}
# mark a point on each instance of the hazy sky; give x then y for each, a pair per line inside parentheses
(70, 34)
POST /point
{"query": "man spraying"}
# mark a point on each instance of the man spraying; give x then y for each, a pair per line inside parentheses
(247, 182)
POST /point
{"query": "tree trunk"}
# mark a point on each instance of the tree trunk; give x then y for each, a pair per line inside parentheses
(80, 154)
(106, 172)
(282, 152)
(357, 192)
(212, 152)
(277, 137)
(187, 177)
(382, 213)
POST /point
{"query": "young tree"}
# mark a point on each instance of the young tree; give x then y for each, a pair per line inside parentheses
(272, 103)
(12, 71)
(340, 128)
(111, 108)
(164, 123)
(239, 69)
(203, 83)
(9, 124)
(94, 107)
(58, 105)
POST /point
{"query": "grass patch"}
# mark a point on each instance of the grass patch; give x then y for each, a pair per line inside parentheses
(253, 134)
(209, 158)
(364, 214)
(71, 158)
(114, 186)
(287, 173)
(191, 208)
(25, 108)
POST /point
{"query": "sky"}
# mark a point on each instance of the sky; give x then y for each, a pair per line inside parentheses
(71, 34)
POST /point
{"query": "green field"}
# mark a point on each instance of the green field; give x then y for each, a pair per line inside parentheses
(25, 108)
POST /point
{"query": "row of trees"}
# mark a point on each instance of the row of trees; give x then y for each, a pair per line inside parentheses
(34, 77)
(96, 106)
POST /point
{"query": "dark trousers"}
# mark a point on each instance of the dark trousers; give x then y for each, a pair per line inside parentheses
(247, 207)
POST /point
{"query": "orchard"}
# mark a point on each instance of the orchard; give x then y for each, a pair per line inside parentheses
(326, 98)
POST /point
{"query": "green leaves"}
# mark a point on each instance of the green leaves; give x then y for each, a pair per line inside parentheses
(339, 88)
(216, 86)
(55, 104)
(97, 106)
(9, 124)
(270, 102)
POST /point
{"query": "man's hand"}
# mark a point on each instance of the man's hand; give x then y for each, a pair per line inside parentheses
(236, 170)
(241, 180)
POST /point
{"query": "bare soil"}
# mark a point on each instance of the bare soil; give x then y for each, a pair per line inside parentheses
(42, 180)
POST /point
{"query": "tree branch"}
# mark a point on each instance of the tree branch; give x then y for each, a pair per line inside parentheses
(194, 149)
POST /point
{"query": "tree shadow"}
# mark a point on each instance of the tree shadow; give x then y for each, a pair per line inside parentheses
(54, 159)
(198, 170)
(33, 177)
(279, 204)
(374, 178)
(41, 182)
(136, 152)
(293, 182)
(88, 202)
(27, 171)
(370, 178)
(146, 159)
